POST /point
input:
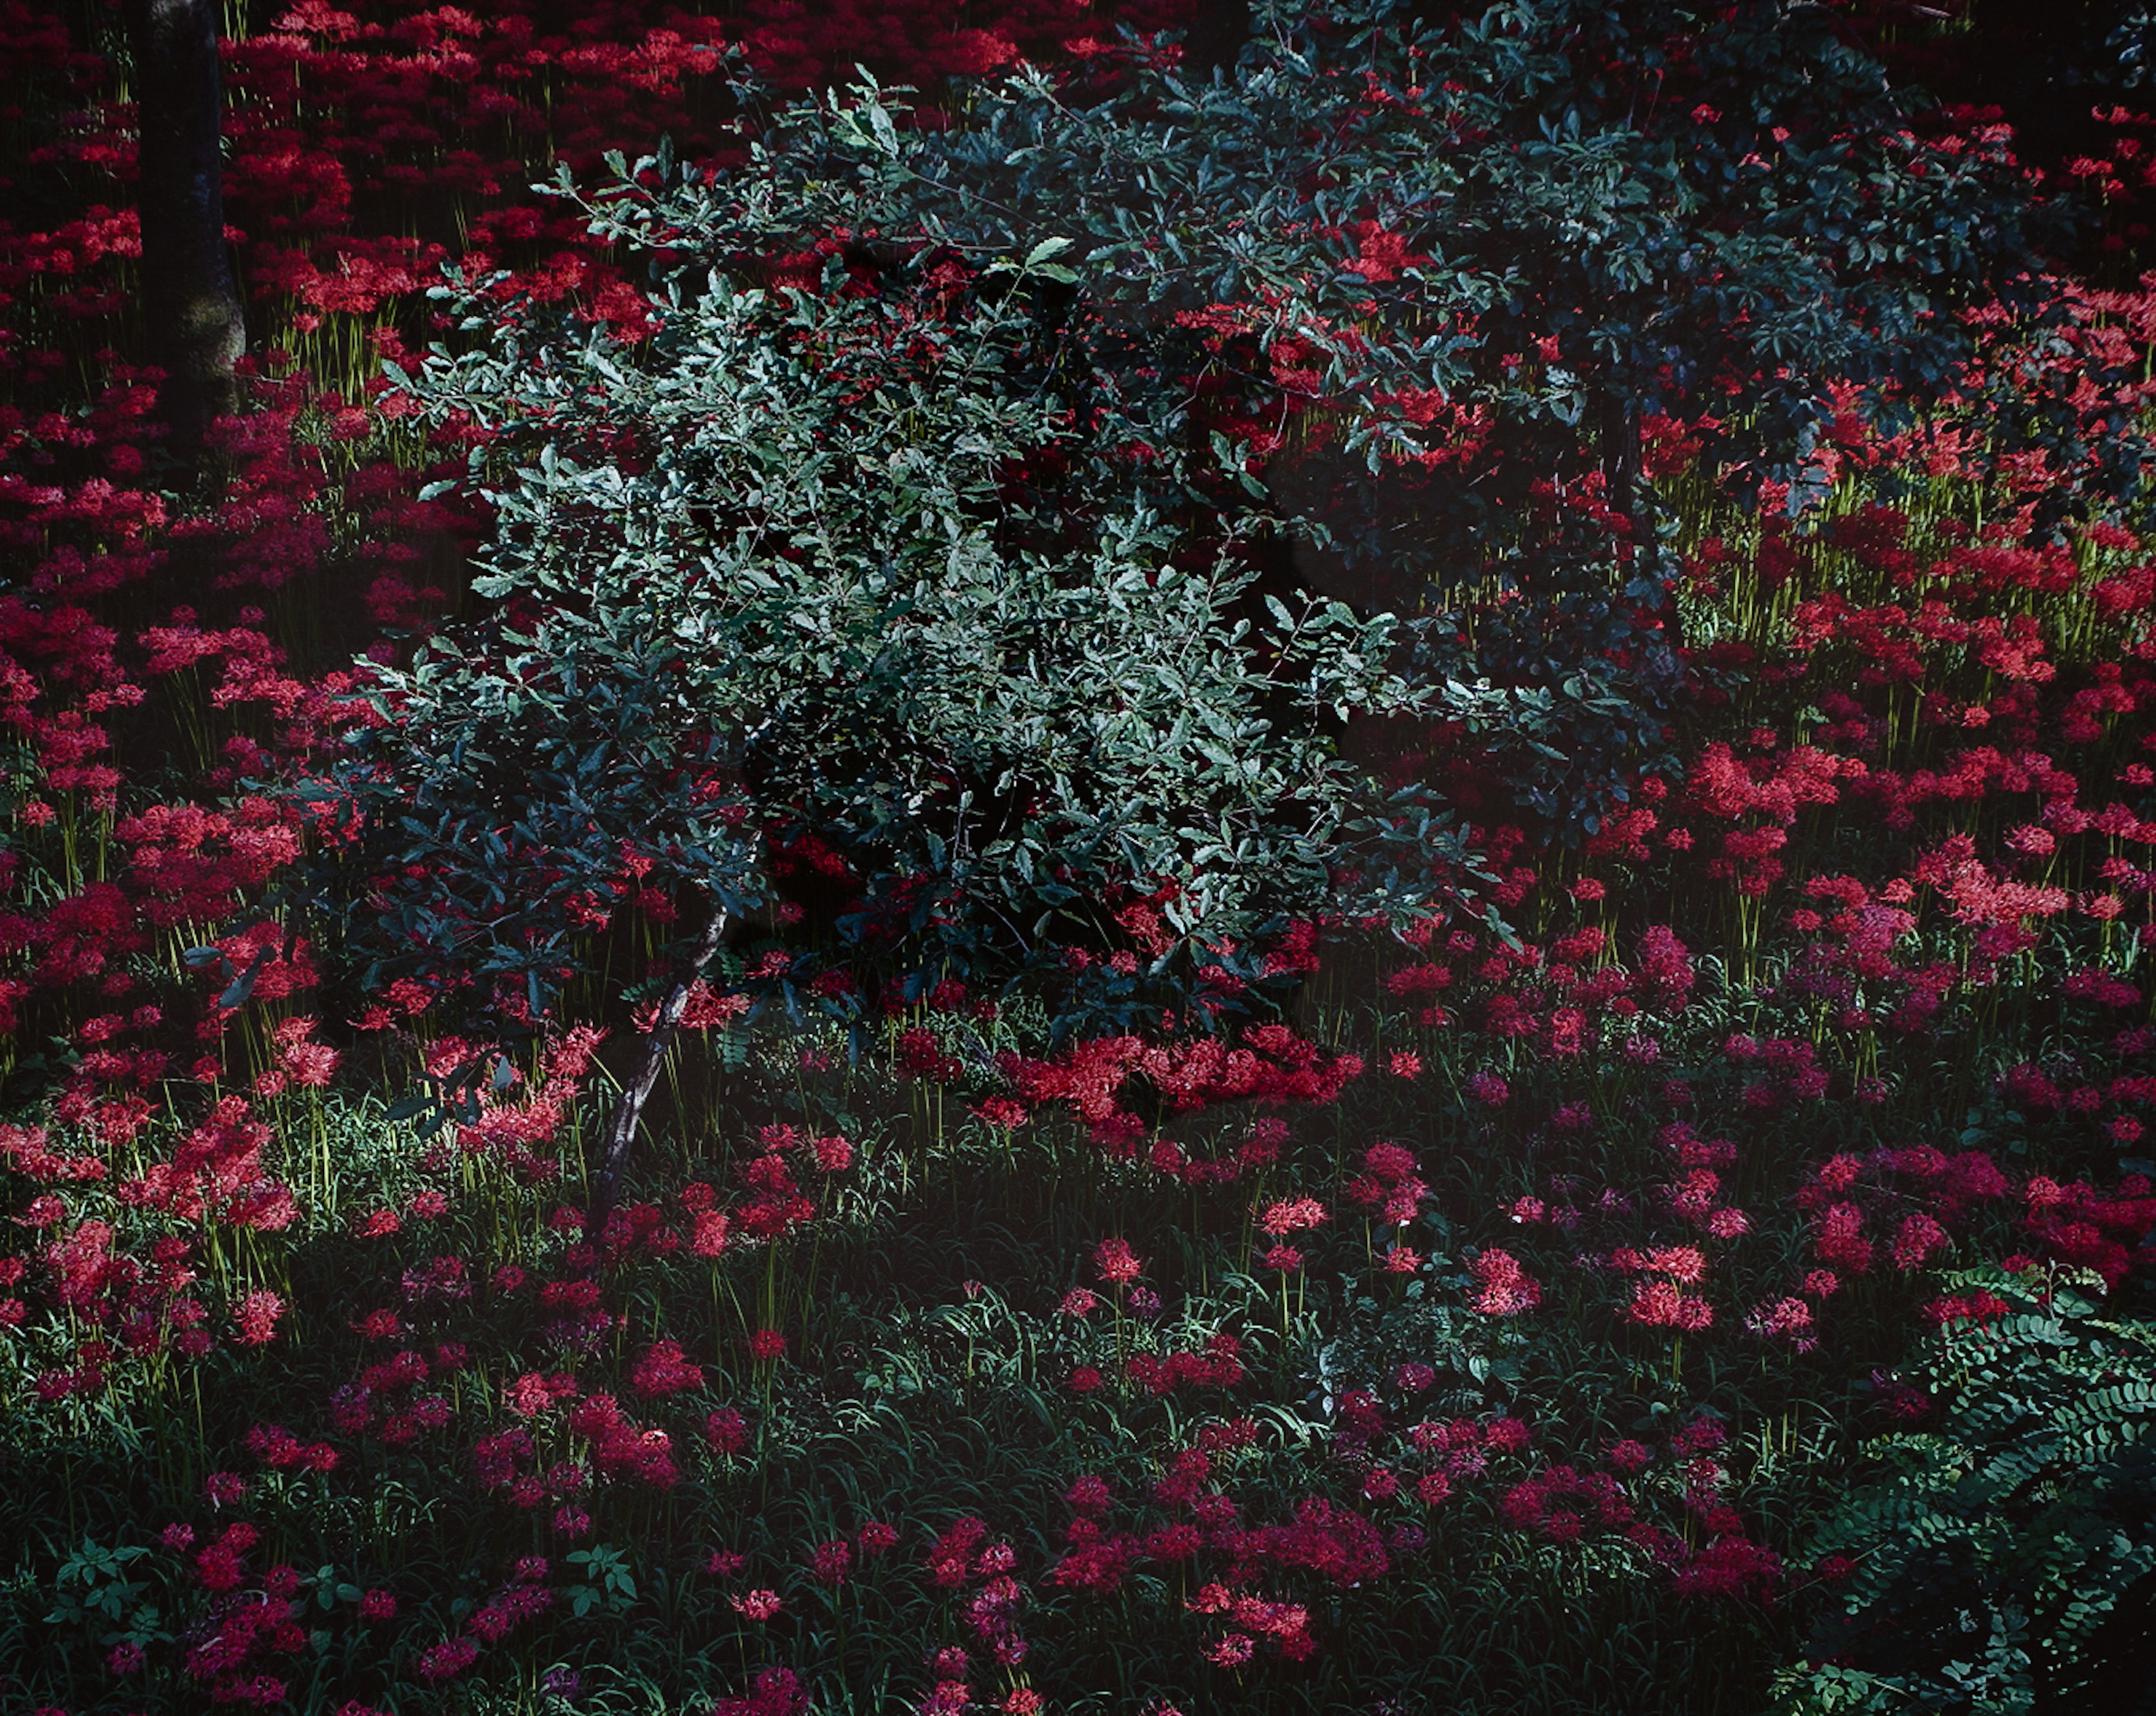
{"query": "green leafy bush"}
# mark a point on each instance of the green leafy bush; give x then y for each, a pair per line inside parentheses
(759, 578)
(1982, 1563)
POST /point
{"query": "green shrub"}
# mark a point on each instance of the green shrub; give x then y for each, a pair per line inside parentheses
(1985, 1559)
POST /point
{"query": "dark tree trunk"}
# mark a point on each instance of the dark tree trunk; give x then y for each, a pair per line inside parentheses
(628, 1112)
(1619, 433)
(1625, 480)
(1215, 40)
(196, 329)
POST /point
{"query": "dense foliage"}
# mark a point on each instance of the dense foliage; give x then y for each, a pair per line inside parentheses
(1983, 1568)
(759, 582)
(1578, 1147)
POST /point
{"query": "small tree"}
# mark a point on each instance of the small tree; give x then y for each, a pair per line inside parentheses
(762, 577)
(1427, 265)
(1567, 215)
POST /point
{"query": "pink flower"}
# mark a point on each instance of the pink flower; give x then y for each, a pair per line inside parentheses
(1503, 1288)
(875, 1538)
(664, 1371)
(758, 1605)
(1290, 1215)
(531, 1394)
(1508, 1434)
(1489, 1090)
(1116, 1262)
(709, 1232)
(1680, 1262)
(448, 1660)
(257, 1316)
(1088, 1494)
(1917, 1238)
(833, 1155)
(1662, 1303)
(1786, 1317)
(1630, 1455)
(224, 1488)
(726, 1431)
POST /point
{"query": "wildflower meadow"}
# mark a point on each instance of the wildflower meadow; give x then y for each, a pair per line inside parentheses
(1077, 858)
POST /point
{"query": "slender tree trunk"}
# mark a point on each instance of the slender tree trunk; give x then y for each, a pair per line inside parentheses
(1215, 38)
(1623, 471)
(1620, 437)
(196, 332)
(628, 1112)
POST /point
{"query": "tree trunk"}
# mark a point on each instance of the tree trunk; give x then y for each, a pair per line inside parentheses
(628, 1112)
(1214, 40)
(197, 333)
(1624, 473)
(1619, 432)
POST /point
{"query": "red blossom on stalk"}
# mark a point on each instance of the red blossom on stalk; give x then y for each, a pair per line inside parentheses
(1502, 1288)
(876, 1537)
(1116, 1262)
(663, 1370)
(767, 1345)
(1290, 1215)
(756, 1606)
(1664, 1305)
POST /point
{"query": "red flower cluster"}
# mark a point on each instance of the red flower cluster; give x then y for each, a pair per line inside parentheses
(1219, 1365)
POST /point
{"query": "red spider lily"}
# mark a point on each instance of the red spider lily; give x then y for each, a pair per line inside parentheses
(726, 1431)
(1290, 1215)
(1116, 1262)
(777, 1692)
(1662, 1305)
(1502, 1288)
(767, 1345)
(1561, 1503)
(664, 1371)
(1219, 1366)
(950, 1557)
(619, 1447)
(874, 1539)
